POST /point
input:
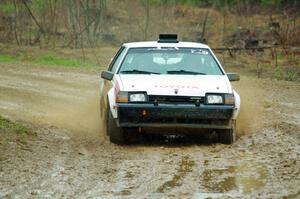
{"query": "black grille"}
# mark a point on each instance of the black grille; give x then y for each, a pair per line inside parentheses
(165, 99)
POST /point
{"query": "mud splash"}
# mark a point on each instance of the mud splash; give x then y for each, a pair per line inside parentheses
(251, 114)
(65, 100)
(79, 118)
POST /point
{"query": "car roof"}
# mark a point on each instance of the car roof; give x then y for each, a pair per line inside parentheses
(163, 44)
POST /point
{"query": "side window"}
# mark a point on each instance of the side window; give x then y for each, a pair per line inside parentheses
(117, 59)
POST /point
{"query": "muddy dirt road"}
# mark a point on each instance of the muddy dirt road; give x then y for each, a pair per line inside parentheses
(71, 158)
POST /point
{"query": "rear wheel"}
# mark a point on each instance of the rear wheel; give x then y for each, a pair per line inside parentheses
(116, 134)
(228, 136)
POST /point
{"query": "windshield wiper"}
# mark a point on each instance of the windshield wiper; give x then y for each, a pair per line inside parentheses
(138, 72)
(185, 72)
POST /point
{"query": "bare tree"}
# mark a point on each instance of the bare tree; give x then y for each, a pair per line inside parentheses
(147, 18)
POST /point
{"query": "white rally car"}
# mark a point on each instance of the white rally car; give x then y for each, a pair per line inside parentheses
(167, 84)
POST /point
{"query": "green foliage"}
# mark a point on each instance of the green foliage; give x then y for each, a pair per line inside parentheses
(152, 2)
(278, 74)
(9, 126)
(7, 8)
(174, 2)
(39, 5)
(48, 60)
(211, 2)
(270, 2)
(290, 76)
(7, 59)
(54, 60)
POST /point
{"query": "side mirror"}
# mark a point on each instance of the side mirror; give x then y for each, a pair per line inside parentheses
(233, 76)
(107, 75)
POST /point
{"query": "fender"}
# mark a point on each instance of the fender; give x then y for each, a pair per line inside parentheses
(237, 105)
(112, 102)
(112, 96)
(108, 102)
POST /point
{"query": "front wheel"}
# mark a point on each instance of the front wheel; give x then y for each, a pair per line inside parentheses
(228, 136)
(117, 135)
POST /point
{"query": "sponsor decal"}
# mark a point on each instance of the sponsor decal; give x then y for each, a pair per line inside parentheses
(176, 86)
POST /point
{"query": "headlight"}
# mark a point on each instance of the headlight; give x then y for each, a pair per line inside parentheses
(214, 99)
(137, 97)
(227, 99)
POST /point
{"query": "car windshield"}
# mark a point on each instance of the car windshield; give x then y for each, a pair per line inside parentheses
(183, 61)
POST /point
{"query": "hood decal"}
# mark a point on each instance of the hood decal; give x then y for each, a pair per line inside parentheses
(176, 86)
(189, 85)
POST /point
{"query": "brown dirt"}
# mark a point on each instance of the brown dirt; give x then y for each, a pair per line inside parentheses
(71, 158)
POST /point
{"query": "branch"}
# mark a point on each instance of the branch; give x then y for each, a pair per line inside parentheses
(80, 33)
(33, 17)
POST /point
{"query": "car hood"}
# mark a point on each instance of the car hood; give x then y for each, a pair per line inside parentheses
(185, 85)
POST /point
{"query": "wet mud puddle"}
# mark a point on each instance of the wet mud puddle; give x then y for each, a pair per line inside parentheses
(233, 180)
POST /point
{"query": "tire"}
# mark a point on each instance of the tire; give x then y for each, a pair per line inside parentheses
(228, 136)
(117, 135)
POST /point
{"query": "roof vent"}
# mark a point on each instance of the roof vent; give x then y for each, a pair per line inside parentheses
(168, 38)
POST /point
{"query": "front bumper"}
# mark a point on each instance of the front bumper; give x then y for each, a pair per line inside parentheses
(170, 115)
